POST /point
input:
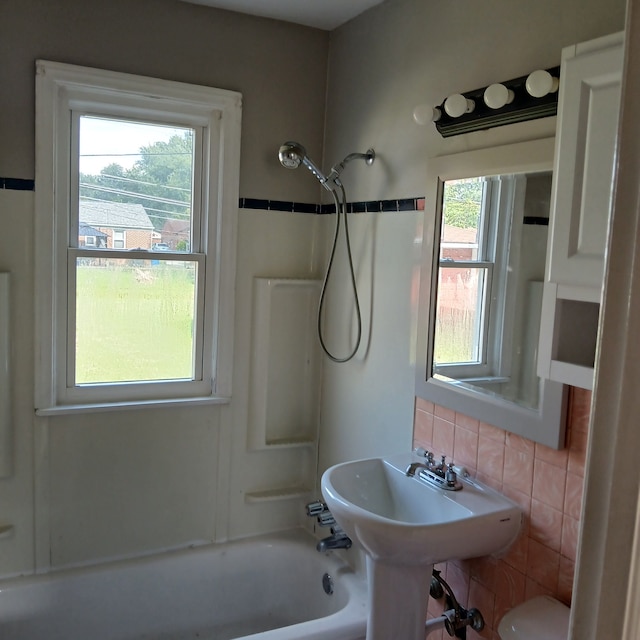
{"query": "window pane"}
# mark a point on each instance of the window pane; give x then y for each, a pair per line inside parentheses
(134, 320)
(461, 219)
(460, 303)
(136, 178)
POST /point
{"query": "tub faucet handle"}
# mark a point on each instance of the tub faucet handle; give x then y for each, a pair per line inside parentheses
(315, 508)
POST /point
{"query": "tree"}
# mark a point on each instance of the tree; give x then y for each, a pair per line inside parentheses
(463, 202)
(160, 181)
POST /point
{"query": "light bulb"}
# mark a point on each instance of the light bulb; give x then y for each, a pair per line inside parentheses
(424, 113)
(540, 82)
(457, 105)
(497, 96)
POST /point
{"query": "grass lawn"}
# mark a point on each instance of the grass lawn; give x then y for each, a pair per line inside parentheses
(134, 322)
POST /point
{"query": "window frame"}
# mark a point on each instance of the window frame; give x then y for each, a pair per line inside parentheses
(63, 93)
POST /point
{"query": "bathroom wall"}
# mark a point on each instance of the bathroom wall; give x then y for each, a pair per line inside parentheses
(383, 64)
(92, 486)
(547, 484)
(418, 53)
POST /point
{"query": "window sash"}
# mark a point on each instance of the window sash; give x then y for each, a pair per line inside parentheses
(95, 390)
(481, 366)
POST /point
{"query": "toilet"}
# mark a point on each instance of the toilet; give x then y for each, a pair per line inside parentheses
(540, 617)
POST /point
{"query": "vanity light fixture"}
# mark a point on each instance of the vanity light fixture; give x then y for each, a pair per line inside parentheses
(525, 98)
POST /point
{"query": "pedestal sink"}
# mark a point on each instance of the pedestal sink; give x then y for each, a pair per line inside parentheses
(406, 526)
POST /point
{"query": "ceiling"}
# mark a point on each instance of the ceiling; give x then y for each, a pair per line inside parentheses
(322, 14)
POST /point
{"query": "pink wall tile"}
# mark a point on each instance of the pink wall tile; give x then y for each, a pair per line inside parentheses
(423, 426)
(544, 565)
(446, 414)
(465, 447)
(490, 458)
(570, 531)
(466, 422)
(546, 524)
(546, 484)
(489, 431)
(443, 433)
(573, 496)
(518, 470)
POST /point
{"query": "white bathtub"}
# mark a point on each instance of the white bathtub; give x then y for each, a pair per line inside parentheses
(263, 588)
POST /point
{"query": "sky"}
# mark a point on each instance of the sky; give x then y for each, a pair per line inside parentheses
(104, 141)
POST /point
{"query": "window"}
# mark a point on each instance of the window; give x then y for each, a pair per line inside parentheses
(122, 317)
(472, 307)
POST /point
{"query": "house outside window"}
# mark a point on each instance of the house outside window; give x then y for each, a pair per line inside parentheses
(132, 322)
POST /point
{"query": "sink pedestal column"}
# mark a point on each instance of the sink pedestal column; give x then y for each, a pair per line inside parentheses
(398, 598)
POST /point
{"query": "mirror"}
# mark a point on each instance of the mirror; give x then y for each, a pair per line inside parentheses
(481, 289)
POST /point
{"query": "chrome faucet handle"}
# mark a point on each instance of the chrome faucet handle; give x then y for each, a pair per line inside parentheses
(315, 508)
(451, 476)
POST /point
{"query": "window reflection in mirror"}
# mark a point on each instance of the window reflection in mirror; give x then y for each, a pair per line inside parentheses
(482, 276)
(493, 238)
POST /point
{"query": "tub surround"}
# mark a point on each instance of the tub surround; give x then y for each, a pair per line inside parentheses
(546, 483)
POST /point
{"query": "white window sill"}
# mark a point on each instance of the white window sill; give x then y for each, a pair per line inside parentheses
(97, 407)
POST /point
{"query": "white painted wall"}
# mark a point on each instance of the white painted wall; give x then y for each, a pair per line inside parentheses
(382, 65)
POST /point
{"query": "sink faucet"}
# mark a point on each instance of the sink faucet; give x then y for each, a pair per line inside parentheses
(414, 466)
(440, 474)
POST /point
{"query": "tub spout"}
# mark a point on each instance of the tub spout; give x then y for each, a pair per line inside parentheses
(338, 540)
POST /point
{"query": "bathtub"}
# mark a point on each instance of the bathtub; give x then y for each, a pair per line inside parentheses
(262, 588)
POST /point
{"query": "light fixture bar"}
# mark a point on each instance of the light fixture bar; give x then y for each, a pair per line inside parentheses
(521, 107)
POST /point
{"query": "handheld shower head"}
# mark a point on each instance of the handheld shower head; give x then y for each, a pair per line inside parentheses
(291, 154)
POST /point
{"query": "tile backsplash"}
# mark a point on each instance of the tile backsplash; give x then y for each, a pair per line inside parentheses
(546, 483)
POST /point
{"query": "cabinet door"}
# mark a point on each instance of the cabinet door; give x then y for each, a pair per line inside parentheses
(585, 149)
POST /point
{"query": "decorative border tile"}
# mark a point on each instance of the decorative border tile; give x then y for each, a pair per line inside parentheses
(370, 206)
(17, 184)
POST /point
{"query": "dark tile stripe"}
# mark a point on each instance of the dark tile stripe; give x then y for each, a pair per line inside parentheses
(370, 206)
(17, 184)
(537, 220)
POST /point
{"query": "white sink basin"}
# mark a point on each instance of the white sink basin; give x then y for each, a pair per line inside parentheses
(404, 519)
(405, 526)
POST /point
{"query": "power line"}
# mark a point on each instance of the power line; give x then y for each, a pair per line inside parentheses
(134, 194)
(152, 184)
(128, 155)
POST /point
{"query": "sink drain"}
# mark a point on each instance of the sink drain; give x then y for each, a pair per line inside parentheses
(327, 584)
